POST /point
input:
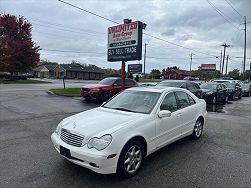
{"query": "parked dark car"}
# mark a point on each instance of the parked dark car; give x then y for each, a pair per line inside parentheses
(191, 86)
(234, 90)
(106, 88)
(213, 92)
(246, 90)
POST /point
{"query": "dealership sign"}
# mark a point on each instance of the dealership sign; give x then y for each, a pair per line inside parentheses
(135, 68)
(208, 67)
(125, 42)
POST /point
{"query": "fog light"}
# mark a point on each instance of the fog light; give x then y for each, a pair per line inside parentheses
(94, 165)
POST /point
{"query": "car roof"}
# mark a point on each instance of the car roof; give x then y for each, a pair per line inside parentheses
(177, 81)
(156, 89)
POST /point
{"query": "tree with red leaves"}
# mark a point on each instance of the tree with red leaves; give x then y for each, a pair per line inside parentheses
(18, 53)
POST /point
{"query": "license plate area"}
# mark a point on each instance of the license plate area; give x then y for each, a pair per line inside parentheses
(65, 152)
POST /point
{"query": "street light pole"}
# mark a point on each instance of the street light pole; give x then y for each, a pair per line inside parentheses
(145, 62)
(191, 58)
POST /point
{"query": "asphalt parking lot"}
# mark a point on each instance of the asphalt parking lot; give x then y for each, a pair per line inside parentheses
(28, 116)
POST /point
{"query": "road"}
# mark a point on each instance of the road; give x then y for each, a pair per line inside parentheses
(28, 116)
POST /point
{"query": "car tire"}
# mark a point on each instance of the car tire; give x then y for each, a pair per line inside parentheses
(104, 96)
(240, 96)
(130, 159)
(214, 100)
(231, 97)
(198, 129)
(226, 99)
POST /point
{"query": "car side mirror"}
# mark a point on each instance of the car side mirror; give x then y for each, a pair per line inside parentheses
(114, 85)
(164, 113)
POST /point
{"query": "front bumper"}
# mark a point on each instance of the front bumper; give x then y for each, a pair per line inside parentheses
(86, 157)
(90, 95)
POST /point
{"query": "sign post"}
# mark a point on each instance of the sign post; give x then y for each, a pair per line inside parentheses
(125, 43)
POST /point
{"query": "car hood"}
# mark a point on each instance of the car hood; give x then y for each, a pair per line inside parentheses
(99, 121)
(92, 86)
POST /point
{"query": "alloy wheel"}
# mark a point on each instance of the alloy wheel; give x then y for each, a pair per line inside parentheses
(133, 159)
(214, 100)
(198, 128)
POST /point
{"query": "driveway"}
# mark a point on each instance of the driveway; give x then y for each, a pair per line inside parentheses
(28, 116)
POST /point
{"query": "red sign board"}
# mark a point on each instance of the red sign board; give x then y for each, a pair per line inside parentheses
(208, 67)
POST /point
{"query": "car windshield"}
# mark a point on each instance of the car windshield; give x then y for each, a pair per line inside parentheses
(208, 86)
(170, 84)
(134, 101)
(107, 81)
(227, 84)
(245, 86)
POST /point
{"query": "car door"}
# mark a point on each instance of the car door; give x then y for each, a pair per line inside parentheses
(116, 87)
(168, 128)
(187, 109)
(220, 93)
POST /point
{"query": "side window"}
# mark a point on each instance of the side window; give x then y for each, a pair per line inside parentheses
(196, 86)
(191, 100)
(184, 85)
(169, 103)
(190, 86)
(129, 82)
(182, 99)
(118, 82)
(219, 86)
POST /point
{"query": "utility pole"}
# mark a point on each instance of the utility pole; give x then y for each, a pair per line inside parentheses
(191, 57)
(220, 59)
(226, 64)
(145, 62)
(224, 52)
(245, 46)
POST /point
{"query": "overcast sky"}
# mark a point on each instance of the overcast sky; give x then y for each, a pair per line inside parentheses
(190, 23)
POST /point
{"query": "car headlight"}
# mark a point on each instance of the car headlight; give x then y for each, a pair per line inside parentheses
(100, 143)
(58, 129)
(94, 90)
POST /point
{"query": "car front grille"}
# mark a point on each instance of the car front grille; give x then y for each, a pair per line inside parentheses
(86, 89)
(71, 139)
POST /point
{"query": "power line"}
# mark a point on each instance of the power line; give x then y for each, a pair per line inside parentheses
(221, 14)
(233, 8)
(177, 45)
(89, 12)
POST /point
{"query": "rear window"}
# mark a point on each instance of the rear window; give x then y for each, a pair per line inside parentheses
(107, 81)
(170, 84)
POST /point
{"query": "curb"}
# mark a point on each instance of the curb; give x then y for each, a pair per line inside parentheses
(50, 92)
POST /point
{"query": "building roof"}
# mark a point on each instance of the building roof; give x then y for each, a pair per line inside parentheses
(179, 71)
(50, 67)
(80, 68)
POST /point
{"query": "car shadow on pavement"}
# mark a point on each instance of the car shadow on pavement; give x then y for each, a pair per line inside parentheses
(153, 165)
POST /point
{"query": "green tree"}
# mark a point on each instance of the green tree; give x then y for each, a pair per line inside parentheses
(129, 75)
(155, 73)
(18, 53)
(137, 78)
(235, 74)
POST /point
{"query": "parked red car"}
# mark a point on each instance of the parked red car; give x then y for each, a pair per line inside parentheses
(106, 88)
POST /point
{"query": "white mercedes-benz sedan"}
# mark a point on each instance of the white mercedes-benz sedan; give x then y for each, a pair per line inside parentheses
(117, 136)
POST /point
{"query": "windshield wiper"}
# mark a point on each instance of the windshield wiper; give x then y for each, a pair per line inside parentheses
(123, 109)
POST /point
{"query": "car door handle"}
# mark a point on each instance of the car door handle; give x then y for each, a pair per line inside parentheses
(179, 115)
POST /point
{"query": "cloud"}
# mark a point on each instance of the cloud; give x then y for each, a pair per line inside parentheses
(191, 23)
